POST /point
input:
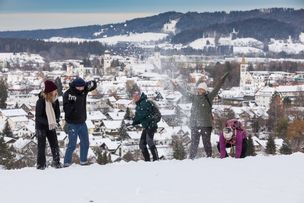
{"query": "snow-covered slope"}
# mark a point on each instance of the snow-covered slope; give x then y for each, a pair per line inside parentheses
(132, 37)
(287, 46)
(170, 27)
(240, 45)
(247, 50)
(202, 42)
(260, 179)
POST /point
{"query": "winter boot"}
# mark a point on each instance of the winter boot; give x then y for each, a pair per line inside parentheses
(146, 154)
(41, 167)
(56, 164)
(154, 153)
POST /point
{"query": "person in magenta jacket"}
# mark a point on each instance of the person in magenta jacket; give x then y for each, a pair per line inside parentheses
(233, 135)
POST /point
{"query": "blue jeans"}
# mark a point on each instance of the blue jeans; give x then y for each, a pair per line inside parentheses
(75, 130)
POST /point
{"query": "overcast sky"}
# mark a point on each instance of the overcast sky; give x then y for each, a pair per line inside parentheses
(41, 14)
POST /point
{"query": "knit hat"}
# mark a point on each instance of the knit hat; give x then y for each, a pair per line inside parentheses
(202, 85)
(49, 86)
(79, 82)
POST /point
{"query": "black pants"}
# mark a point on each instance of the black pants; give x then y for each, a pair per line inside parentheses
(244, 148)
(146, 138)
(52, 138)
(196, 133)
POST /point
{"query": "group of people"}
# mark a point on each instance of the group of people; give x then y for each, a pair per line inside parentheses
(48, 118)
(146, 113)
(201, 119)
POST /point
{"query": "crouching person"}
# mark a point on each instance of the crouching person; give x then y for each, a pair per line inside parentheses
(147, 114)
(233, 136)
(47, 119)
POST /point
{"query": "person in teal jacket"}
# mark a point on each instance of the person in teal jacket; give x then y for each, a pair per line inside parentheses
(144, 115)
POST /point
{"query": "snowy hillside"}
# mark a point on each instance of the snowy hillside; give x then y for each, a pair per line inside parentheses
(170, 27)
(21, 57)
(132, 37)
(260, 179)
(287, 46)
(240, 45)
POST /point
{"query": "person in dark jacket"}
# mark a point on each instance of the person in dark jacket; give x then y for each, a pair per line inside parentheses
(144, 116)
(74, 106)
(47, 119)
(201, 115)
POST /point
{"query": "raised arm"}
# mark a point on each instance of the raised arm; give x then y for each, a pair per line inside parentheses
(91, 85)
(218, 86)
(182, 90)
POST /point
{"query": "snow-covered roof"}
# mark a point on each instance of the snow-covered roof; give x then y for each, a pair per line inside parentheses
(167, 112)
(134, 135)
(112, 99)
(13, 112)
(21, 143)
(112, 125)
(125, 102)
(96, 115)
(19, 119)
(97, 141)
(185, 107)
(117, 115)
(90, 125)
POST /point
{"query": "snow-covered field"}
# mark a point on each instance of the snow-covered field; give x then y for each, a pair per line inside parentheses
(277, 179)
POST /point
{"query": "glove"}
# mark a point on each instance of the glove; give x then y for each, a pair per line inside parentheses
(90, 84)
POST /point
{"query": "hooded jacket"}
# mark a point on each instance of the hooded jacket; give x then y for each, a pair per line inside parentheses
(143, 113)
(74, 103)
(40, 117)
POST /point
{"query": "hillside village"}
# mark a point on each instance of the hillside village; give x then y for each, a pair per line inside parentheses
(110, 107)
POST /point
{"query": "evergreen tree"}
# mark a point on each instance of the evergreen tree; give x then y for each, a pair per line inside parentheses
(123, 131)
(285, 149)
(7, 158)
(128, 115)
(7, 131)
(179, 151)
(102, 156)
(128, 157)
(59, 86)
(109, 158)
(270, 146)
(98, 153)
(250, 147)
(3, 94)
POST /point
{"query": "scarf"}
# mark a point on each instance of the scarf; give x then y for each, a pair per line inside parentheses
(50, 114)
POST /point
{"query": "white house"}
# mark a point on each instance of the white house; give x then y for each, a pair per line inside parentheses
(263, 96)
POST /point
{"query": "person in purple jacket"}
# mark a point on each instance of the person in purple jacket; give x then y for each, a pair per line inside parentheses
(233, 135)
